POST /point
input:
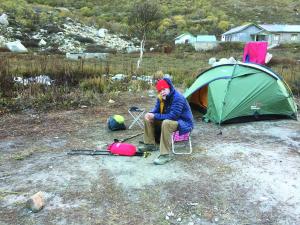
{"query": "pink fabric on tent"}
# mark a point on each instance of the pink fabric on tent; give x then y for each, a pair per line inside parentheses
(255, 52)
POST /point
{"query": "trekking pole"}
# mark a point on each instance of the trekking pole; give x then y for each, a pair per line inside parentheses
(88, 152)
(107, 152)
(126, 139)
(102, 152)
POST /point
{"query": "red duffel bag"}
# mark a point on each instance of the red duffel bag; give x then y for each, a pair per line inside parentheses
(124, 149)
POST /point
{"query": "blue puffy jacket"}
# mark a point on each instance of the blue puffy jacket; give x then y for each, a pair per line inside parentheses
(176, 108)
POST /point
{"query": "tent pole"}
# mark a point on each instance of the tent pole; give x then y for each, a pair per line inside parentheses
(221, 114)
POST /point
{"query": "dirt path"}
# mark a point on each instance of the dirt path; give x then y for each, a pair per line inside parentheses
(247, 175)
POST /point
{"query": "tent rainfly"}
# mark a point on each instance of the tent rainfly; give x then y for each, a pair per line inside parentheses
(241, 91)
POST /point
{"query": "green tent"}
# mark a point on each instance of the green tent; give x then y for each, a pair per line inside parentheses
(235, 92)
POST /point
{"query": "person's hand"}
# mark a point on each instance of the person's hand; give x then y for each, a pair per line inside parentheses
(149, 116)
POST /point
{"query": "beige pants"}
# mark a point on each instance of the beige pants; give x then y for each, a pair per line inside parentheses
(167, 128)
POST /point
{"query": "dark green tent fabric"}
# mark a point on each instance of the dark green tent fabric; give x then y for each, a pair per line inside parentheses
(243, 90)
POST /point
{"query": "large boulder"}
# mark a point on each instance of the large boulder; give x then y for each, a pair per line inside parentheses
(3, 20)
(16, 46)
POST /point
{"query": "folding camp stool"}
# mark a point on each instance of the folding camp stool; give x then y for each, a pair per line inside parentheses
(181, 138)
(136, 114)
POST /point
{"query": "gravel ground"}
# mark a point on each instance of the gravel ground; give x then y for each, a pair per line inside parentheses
(247, 175)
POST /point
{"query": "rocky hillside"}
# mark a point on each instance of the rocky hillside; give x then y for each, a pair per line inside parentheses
(69, 36)
(74, 25)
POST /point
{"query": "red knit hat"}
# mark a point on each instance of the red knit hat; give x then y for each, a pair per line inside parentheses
(162, 84)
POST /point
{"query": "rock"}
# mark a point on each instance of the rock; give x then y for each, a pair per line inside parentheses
(212, 60)
(111, 101)
(102, 32)
(53, 29)
(31, 43)
(193, 204)
(119, 77)
(36, 202)
(16, 46)
(263, 199)
(63, 9)
(42, 42)
(2, 41)
(83, 39)
(77, 56)
(148, 79)
(132, 49)
(3, 20)
(170, 214)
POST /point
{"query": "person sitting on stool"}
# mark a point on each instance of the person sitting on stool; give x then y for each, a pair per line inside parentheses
(171, 112)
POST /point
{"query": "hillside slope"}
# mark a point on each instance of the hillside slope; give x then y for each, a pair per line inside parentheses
(195, 16)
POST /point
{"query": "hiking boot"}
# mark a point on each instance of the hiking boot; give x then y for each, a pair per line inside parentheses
(162, 159)
(147, 147)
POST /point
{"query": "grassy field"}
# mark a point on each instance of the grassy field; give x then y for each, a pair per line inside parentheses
(83, 81)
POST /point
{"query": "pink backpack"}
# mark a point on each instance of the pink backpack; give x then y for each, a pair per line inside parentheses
(124, 149)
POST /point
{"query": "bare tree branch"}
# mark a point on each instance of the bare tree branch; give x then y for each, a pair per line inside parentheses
(144, 19)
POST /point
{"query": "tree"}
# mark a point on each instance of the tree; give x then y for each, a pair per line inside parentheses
(223, 25)
(86, 11)
(179, 21)
(144, 19)
(164, 25)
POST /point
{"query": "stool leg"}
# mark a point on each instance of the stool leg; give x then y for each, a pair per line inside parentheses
(183, 153)
(190, 142)
(139, 120)
(136, 119)
(172, 144)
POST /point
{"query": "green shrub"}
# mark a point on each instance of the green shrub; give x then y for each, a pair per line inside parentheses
(116, 86)
(184, 48)
(284, 61)
(228, 46)
(96, 84)
(138, 85)
(288, 46)
(295, 87)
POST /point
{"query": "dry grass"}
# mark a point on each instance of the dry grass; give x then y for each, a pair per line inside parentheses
(82, 82)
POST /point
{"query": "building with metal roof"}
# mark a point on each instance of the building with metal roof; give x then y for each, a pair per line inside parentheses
(274, 34)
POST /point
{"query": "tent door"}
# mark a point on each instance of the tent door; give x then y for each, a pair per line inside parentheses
(199, 98)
